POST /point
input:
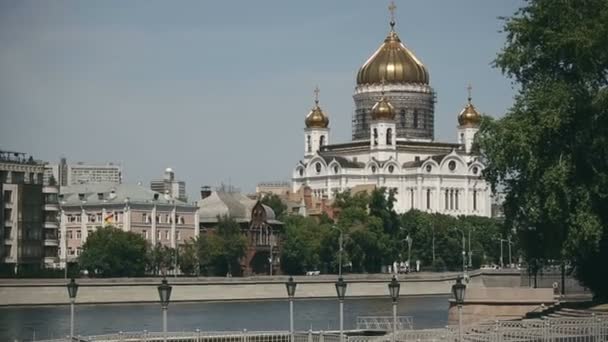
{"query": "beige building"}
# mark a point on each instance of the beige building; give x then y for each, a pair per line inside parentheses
(28, 225)
(82, 173)
(157, 217)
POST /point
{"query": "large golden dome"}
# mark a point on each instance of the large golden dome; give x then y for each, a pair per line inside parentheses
(316, 118)
(383, 110)
(394, 63)
(469, 116)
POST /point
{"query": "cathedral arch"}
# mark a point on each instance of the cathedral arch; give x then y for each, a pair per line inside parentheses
(317, 166)
(430, 167)
(454, 164)
(475, 169)
(334, 168)
(392, 168)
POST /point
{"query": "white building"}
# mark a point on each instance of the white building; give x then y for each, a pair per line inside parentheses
(393, 142)
(169, 185)
(81, 173)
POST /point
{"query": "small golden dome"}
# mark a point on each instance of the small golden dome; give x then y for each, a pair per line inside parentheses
(394, 63)
(316, 118)
(383, 110)
(469, 115)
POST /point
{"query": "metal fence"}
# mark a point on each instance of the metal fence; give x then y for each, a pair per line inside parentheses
(384, 323)
(592, 329)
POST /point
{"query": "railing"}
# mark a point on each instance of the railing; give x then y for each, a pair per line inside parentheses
(199, 336)
(385, 323)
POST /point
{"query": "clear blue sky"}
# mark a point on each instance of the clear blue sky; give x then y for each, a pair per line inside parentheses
(218, 90)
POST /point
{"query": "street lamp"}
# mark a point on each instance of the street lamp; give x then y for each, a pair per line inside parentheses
(340, 242)
(72, 291)
(341, 291)
(393, 289)
(464, 267)
(458, 290)
(164, 292)
(291, 285)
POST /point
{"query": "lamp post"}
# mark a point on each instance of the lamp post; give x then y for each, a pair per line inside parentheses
(164, 292)
(341, 291)
(340, 243)
(72, 291)
(393, 289)
(291, 285)
(464, 264)
(458, 290)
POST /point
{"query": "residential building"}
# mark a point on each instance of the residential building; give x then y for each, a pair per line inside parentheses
(273, 188)
(28, 229)
(157, 217)
(169, 185)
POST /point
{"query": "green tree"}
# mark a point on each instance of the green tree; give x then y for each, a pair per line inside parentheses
(160, 259)
(188, 261)
(302, 245)
(112, 252)
(276, 203)
(550, 151)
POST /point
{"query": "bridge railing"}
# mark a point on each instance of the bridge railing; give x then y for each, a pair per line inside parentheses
(384, 323)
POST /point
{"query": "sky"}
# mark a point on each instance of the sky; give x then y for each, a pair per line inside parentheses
(218, 90)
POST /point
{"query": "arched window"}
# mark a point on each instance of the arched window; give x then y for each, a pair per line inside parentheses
(415, 121)
(447, 196)
(375, 137)
(322, 141)
(308, 145)
(474, 199)
(428, 198)
(456, 197)
(389, 136)
(412, 199)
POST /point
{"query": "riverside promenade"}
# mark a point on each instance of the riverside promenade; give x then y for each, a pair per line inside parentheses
(34, 292)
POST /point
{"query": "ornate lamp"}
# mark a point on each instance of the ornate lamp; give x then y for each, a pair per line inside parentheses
(393, 288)
(72, 289)
(341, 288)
(291, 285)
(164, 292)
(458, 290)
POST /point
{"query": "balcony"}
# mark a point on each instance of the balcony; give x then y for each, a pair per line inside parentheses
(51, 242)
(51, 225)
(51, 261)
(51, 207)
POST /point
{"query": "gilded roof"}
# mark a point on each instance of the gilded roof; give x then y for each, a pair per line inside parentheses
(383, 110)
(469, 115)
(316, 118)
(394, 63)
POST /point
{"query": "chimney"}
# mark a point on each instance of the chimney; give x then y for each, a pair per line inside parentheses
(205, 191)
(156, 196)
(81, 196)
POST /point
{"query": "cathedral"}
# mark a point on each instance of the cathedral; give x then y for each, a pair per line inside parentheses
(393, 142)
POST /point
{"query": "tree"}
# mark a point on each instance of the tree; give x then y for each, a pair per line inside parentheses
(301, 250)
(550, 151)
(160, 259)
(188, 261)
(276, 203)
(112, 252)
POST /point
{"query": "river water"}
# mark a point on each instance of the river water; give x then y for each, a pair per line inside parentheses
(30, 323)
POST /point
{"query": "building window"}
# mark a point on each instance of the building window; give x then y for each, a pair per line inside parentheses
(447, 195)
(301, 171)
(456, 199)
(428, 198)
(391, 168)
(429, 168)
(78, 234)
(179, 235)
(158, 236)
(402, 115)
(375, 137)
(322, 141)
(308, 144)
(389, 136)
(474, 200)
(415, 118)
(318, 167)
(145, 234)
(411, 198)
(7, 196)
(167, 235)
(475, 170)
(452, 165)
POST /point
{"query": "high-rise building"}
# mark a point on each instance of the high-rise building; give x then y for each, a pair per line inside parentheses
(169, 185)
(66, 174)
(28, 215)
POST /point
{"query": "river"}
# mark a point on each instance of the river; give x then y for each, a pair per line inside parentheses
(30, 323)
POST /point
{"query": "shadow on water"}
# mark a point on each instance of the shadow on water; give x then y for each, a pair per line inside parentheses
(320, 314)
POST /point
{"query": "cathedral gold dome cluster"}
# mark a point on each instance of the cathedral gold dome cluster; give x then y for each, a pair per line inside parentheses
(393, 63)
(469, 115)
(383, 110)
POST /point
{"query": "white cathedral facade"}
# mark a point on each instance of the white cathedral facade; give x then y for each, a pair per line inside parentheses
(393, 142)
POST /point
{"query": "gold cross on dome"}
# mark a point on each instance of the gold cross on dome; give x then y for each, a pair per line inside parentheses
(469, 88)
(316, 91)
(391, 8)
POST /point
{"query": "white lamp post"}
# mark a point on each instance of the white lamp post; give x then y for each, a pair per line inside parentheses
(341, 291)
(291, 285)
(393, 289)
(72, 291)
(458, 290)
(164, 292)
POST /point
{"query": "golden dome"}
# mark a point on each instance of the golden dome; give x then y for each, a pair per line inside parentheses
(316, 118)
(469, 115)
(394, 63)
(383, 110)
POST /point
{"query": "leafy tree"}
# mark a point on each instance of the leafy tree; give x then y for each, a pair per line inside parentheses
(160, 259)
(188, 261)
(550, 151)
(276, 203)
(302, 246)
(232, 244)
(112, 252)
